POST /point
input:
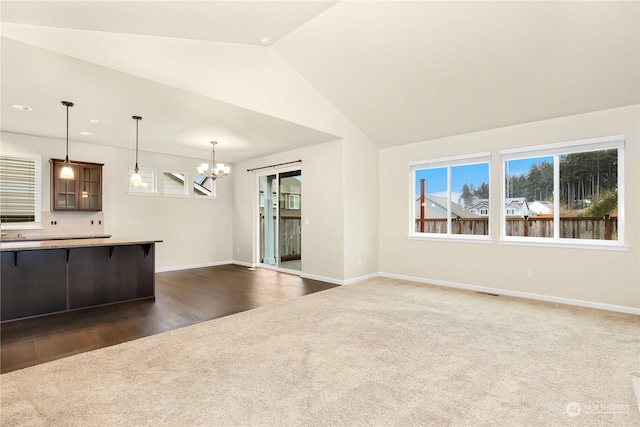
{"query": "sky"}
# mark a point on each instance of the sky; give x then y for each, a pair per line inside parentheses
(522, 166)
(436, 178)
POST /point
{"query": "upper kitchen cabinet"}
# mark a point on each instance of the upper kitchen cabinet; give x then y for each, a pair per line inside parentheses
(81, 193)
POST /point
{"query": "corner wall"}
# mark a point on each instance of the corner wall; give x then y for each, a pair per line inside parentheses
(594, 277)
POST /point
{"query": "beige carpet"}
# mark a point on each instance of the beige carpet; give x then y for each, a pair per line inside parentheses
(380, 352)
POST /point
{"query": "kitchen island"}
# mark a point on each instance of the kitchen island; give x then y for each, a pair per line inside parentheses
(52, 276)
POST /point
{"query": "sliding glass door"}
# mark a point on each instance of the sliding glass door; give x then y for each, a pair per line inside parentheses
(279, 205)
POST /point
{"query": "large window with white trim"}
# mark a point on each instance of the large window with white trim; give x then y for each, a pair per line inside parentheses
(450, 197)
(20, 187)
(567, 192)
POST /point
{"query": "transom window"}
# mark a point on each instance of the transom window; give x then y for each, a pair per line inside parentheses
(174, 184)
(148, 184)
(203, 186)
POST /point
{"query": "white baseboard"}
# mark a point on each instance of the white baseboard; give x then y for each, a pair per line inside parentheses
(361, 278)
(242, 263)
(548, 298)
(189, 267)
(322, 279)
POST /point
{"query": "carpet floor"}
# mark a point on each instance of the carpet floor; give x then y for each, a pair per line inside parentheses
(380, 352)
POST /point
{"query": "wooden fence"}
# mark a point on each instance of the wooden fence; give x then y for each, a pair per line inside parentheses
(289, 235)
(596, 228)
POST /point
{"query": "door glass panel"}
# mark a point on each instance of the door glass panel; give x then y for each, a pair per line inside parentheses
(280, 204)
(290, 203)
(268, 211)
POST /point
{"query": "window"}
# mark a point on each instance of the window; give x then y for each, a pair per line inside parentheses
(20, 181)
(294, 201)
(148, 184)
(450, 197)
(203, 186)
(175, 184)
(565, 192)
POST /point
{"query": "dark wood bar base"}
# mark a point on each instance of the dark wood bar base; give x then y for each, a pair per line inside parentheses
(45, 281)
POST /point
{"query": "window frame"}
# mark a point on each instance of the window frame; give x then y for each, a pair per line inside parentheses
(185, 186)
(556, 150)
(132, 192)
(214, 188)
(37, 222)
(295, 200)
(448, 163)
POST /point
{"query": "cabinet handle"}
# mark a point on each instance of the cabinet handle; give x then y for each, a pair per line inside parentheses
(111, 251)
(15, 259)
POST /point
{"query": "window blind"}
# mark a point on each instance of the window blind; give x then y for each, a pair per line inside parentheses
(19, 189)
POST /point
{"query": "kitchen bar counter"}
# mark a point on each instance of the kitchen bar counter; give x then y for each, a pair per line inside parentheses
(6, 238)
(52, 276)
(29, 245)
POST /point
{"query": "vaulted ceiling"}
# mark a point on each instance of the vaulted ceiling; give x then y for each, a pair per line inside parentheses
(398, 71)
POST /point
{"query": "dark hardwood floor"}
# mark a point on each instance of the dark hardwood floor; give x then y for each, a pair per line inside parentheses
(183, 298)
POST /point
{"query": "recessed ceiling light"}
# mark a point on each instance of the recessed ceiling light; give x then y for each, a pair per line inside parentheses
(266, 41)
(85, 133)
(22, 107)
(96, 121)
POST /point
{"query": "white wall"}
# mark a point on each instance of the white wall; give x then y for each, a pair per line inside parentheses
(194, 231)
(605, 278)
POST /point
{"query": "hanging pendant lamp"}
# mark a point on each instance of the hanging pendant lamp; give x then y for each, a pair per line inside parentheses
(136, 179)
(67, 172)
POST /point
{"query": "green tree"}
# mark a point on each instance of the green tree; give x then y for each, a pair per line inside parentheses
(466, 198)
(607, 204)
(482, 192)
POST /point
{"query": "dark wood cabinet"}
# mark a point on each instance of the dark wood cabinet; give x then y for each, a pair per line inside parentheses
(82, 193)
(33, 283)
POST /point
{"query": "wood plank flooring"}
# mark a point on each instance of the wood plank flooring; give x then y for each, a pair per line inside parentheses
(183, 298)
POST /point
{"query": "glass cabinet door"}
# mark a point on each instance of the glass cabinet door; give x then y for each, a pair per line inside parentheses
(82, 193)
(90, 192)
(65, 189)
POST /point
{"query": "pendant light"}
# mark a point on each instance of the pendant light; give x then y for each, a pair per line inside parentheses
(67, 172)
(136, 179)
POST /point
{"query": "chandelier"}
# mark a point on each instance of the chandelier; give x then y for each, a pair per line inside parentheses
(217, 170)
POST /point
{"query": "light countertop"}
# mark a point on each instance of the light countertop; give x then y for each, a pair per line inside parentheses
(52, 237)
(30, 245)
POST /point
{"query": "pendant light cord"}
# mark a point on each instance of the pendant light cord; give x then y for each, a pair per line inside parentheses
(137, 119)
(67, 104)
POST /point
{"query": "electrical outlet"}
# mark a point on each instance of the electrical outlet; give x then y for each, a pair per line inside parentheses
(91, 222)
(529, 274)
